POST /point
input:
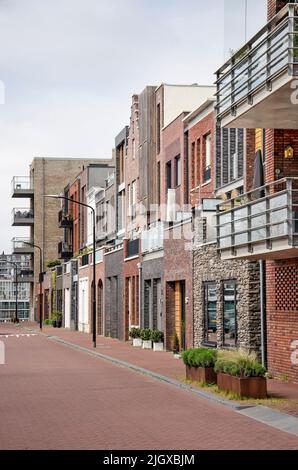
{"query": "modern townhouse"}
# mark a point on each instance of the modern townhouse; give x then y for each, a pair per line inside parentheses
(256, 88)
(226, 310)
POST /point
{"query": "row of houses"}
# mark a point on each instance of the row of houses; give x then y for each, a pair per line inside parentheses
(195, 214)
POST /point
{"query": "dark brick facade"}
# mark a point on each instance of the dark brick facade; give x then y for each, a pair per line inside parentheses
(114, 296)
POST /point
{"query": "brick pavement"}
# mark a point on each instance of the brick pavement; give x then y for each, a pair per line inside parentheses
(54, 397)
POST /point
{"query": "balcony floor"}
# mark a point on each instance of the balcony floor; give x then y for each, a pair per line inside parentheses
(270, 109)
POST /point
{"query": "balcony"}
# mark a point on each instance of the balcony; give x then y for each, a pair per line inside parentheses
(255, 88)
(20, 247)
(22, 217)
(26, 276)
(65, 251)
(261, 224)
(64, 219)
(153, 239)
(22, 187)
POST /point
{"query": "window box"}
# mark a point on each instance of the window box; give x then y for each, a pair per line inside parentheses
(147, 344)
(250, 387)
(137, 342)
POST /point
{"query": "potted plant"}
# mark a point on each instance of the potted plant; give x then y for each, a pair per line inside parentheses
(146, 337)
(157, 337)
(176, 345)
(59, 320)
(135, 335)
(54, 319)
(200, 365)
(241, 373)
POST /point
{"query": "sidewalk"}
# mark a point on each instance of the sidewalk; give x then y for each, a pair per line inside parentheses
(283, 396)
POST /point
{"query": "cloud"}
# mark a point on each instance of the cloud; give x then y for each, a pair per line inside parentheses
(70, 68)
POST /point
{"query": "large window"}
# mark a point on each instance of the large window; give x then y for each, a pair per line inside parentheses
(230, 314)
(210, 304)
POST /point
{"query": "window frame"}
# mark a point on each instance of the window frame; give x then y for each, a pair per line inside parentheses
(225, 343)
(206, 287)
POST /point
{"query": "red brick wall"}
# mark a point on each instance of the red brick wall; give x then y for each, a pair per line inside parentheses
(281, 276)
(282, 317)
(273, 7)
(178, 267)
(249, 159)
(198, 189)
(173, 145)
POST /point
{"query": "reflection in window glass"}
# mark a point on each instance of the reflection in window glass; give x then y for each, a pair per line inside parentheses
(230, 321)
(210, 313)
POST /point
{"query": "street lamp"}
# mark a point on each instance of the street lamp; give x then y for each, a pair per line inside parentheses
(56, 196)
(16, 283)
(40, 279)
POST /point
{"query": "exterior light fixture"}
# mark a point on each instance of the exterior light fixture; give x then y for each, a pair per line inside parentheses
(289, 152)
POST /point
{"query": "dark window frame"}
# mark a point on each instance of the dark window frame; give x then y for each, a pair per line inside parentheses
(235, 342)
(206, 286)
(178, 173)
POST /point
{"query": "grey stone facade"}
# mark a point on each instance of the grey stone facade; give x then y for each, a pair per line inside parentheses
(208, 267)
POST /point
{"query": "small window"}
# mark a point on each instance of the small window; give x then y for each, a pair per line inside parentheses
(178, 171)
(158, 182)
(169, 174)
(229, 318)
(207, 172)
(210, 305)
(264, 145)
(133, 148)
(158, 127)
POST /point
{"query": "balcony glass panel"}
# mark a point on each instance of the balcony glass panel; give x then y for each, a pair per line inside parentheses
(278, 201)
(225, 242)
(279, 230)
(241, 239)
(258, 208)
(258, 235)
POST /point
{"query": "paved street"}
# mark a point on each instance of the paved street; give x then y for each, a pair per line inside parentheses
(54, 397)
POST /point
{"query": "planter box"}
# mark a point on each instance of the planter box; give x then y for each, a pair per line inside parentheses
(147, 344)
(137, 342)
(201, 374)
(157, 346)
(250, 387)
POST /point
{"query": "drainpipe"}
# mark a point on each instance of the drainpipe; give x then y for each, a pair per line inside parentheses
(263, 312)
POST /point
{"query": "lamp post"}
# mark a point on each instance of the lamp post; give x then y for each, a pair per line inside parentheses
(40, 279)
(16, 284)
(56, 196)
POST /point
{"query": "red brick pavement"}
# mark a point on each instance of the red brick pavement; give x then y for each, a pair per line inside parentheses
(54, 397)
(164, 364)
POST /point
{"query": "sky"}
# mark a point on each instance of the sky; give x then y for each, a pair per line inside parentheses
(68, 69)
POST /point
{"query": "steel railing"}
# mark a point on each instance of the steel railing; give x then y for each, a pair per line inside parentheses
(271, 52)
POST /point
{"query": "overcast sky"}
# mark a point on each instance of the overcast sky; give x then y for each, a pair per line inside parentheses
(69, 68)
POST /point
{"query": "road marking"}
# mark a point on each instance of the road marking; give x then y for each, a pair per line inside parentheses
(16, 336)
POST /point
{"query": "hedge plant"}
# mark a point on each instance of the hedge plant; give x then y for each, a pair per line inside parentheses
(200, 357)
(239, 364)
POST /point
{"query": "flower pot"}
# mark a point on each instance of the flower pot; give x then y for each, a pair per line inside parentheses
(59, 323)
(54, 324)
(137, 342)
(147, 344)
(250, 387)
(158, 347)
(201, 374)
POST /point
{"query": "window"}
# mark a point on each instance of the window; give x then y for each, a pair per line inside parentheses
(158, 182)
(210, 305)
(207, 145)
(158, 127)
(198, 163)
(193, 165)
(169, 174)
(178, 170)
(229, 318)
(133, 148)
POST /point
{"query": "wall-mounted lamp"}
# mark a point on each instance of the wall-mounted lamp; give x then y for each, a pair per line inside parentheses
(289, 152)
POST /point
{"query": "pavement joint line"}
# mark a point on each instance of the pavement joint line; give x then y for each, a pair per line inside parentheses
(260, 413)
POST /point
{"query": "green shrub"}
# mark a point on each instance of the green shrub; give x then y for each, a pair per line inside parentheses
(239, 364)
(200, 357)
(51, 263)
(146, 334)
(47, 321)
(157, 336)
(135, 333)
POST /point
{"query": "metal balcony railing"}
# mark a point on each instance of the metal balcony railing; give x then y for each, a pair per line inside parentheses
(270, 53)
(64, 219)
(22, 186)
(19, 245)
(260, 222)
(65, 250)
(153, 239)
(22, 216)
